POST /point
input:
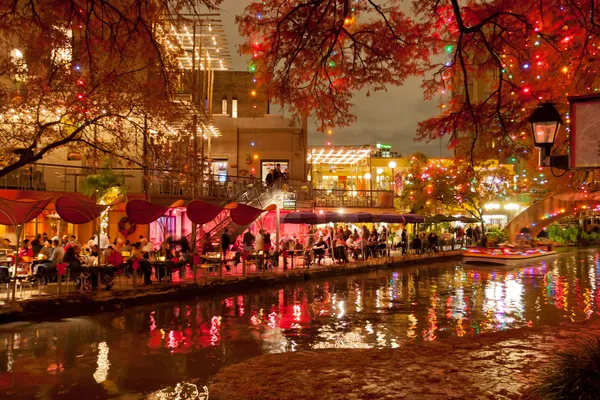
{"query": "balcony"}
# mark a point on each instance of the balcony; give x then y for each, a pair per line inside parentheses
(178, 185)
(338, 198)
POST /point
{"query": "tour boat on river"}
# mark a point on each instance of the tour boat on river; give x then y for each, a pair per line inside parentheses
(505, 255)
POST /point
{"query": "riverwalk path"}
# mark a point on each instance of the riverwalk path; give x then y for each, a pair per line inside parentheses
(41, 302)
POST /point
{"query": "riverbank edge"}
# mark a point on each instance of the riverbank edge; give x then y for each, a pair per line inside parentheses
(497, 365)
(52, 308)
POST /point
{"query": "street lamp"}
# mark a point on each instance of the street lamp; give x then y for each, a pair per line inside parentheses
(392, 165)
(545, 122)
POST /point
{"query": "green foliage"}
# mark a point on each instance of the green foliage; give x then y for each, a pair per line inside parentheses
(572, 374)
(101, 183)
(560, 234)
(499, 235)
(590, 238)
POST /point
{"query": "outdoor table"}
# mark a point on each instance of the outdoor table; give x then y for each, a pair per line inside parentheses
(212, 261)
(295, 252)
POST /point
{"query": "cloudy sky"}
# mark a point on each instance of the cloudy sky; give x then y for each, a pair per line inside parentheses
(385, 117)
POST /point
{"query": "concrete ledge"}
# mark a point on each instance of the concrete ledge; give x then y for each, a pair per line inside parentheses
(52, 307)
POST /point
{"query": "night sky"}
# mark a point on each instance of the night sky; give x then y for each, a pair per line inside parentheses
(385, 117)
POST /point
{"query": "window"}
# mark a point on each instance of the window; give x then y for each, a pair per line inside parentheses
(20, 64)
(219, 170)
(224, 106)
(234, 108)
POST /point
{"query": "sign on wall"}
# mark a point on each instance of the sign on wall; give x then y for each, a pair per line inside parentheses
(585, 131)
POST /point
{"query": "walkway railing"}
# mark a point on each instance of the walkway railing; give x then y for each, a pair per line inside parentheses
(69, 179)
(353, 198)
(123, 279)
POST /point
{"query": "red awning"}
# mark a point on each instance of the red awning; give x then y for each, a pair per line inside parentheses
(143, 213)
(16, 212)
(245, 215)
(76, 211)
(201, 212)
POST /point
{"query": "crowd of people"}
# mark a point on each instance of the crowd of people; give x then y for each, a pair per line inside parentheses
(340, 244)
(38, 258)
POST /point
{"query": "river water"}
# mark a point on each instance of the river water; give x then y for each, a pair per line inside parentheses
(171, 350)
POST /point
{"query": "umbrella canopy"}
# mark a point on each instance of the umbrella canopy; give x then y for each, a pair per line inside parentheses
(17, 212)
(467, 220)
(359, 217)
(329, 216)
(76, 211)
(243, 214)
(389, 218)
(143, 213)
(443, 218)
(201, 212)
(413, 218)
(304, 217)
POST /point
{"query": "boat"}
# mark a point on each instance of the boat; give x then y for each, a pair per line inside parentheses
(505, 255)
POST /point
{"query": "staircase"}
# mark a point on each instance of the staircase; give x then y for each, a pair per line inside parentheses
(257, 196)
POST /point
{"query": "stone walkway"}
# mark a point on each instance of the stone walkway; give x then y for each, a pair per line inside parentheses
(35, 303)
(500, 365)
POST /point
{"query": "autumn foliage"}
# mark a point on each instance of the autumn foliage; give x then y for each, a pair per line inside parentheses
(487, 63)
(94, 75)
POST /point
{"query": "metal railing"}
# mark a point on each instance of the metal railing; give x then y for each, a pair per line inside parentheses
(69, 179)
(353, 198)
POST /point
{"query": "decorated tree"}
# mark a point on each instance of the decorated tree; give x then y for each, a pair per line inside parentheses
(96, 76)
(489, 63)
(450, 186)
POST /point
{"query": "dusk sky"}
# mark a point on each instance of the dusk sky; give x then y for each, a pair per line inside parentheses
(385, 117)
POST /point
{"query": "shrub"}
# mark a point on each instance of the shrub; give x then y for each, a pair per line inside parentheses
(572, 374)
(499, 235)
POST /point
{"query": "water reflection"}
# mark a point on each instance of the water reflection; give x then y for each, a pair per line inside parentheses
(173, 349)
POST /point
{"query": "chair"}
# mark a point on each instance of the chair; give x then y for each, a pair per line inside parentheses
(229, 192)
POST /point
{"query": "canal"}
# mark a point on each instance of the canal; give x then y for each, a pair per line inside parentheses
(171, 350)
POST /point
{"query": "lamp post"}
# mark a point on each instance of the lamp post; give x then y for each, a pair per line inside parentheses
(392, 165)
(545, 122)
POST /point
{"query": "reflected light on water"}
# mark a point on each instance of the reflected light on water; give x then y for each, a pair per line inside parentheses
(101, 373)
(192, 340)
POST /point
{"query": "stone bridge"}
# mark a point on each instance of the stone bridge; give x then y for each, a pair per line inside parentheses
(548, 210)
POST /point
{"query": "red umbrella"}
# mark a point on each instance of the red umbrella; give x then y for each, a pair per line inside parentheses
(244, 215)
(143, 212)
(17, 212)
(76, 211)
(201, 212)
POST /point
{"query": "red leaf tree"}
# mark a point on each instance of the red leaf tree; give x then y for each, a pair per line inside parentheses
(94, 75)
(490, 63)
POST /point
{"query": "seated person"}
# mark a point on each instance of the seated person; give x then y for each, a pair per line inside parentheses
(340, 249)
(352, 247)
(319, 249)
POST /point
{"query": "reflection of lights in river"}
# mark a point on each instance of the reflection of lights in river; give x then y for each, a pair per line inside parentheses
(369, 327)
(410, 332)
(181, 391)
(101, 373)
(348, 340)
(358, 301)
(342, 310)
(297, 313)
(429, 333)
(152, 321)
(272, 320)
(240, 305)
(460, 331)
(215, 330)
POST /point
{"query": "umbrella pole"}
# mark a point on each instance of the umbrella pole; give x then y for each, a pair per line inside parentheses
(19, 229)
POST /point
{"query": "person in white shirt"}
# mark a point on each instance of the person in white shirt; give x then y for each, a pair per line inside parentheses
(91, 242)
(259, 241)
(104, 241)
